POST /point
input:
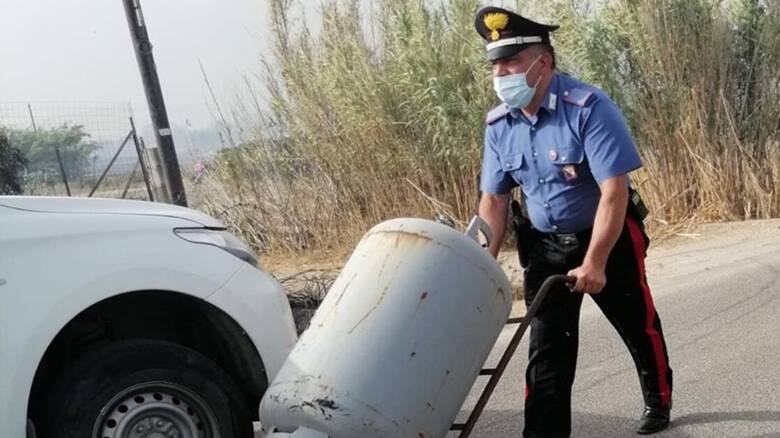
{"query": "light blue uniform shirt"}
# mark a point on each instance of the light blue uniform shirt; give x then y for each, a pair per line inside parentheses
(577, 140)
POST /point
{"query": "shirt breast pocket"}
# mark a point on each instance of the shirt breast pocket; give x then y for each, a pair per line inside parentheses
(570, 163)
(515, 166)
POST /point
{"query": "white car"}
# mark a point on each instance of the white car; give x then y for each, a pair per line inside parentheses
(132, 319)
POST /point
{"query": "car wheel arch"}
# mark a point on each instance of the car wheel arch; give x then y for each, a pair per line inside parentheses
(161, 315)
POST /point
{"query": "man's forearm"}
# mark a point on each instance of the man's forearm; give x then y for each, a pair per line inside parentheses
(493, 210)
(610, 217)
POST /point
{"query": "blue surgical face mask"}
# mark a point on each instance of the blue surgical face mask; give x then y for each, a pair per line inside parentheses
(514, 90)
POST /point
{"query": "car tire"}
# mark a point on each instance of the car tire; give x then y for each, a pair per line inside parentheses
(145, 388)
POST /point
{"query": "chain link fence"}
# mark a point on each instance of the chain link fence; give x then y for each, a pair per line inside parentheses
(77, 148)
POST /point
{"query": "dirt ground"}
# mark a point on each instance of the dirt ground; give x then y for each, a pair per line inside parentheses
(307, 277)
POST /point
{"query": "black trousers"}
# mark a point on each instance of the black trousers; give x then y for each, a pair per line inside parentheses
(625, 301)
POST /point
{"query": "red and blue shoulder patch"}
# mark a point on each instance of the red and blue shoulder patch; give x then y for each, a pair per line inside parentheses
(578, 96)
(497, 113)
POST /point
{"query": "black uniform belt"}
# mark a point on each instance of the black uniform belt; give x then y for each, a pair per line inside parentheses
(567, 239)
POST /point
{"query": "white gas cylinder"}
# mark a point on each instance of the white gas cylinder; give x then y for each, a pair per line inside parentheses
(398, 342)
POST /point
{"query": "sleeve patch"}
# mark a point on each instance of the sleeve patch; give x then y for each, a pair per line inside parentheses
(497, 113)
(577, 96)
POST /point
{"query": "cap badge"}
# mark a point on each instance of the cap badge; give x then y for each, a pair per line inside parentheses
(496, 21)
(553, 154)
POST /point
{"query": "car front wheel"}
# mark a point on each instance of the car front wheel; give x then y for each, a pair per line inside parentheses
(146, 388)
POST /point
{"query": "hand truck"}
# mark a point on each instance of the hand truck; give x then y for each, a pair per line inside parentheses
(496, 373)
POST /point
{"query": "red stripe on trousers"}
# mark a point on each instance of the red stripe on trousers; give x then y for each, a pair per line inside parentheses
(655, 337)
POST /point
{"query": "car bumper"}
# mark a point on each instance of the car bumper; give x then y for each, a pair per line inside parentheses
(259, 305)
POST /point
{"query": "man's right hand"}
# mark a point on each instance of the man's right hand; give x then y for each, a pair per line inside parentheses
(494, 210)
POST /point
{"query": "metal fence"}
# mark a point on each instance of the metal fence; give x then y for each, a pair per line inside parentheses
(78, 148)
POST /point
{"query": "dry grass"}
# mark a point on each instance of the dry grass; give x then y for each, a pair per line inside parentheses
(112, 187)
(378, 118)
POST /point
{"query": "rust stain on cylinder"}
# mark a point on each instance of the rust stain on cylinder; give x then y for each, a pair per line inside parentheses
(371, 310)
(406, 237)
(422, 298)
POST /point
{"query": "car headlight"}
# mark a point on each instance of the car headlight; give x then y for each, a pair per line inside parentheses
(221, 239)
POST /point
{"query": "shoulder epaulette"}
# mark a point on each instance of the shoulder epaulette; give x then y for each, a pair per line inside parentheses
(578, 96)
(497, 113)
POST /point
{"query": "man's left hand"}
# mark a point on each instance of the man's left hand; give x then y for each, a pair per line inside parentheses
(590, 279)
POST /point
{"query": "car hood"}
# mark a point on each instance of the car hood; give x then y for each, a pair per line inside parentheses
(43, 204)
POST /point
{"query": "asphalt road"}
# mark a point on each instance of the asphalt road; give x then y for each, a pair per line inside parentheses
(718, 295)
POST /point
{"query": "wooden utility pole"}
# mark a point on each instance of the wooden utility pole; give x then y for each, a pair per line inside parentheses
(154, 98)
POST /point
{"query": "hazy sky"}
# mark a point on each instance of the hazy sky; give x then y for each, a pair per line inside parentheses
(80, 50)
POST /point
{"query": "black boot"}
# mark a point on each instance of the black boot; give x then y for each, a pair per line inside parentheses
(654, 419)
